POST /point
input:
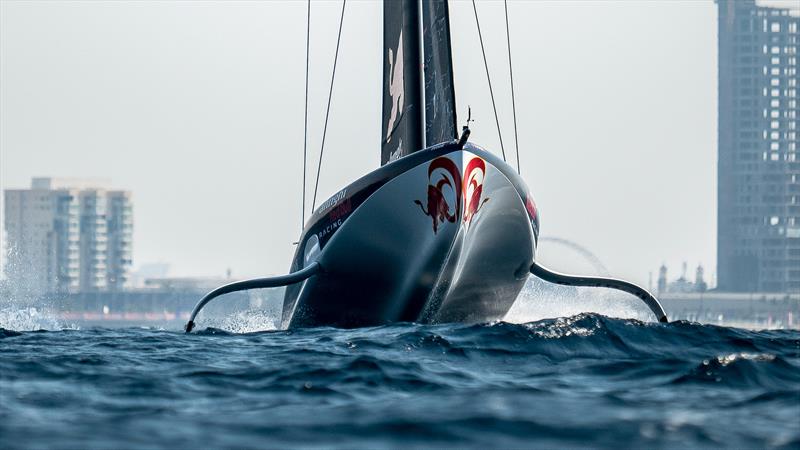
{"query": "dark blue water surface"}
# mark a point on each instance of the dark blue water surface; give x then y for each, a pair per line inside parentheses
(586, 380)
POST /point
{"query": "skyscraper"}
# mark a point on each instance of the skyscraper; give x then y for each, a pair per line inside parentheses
(68, 235)
(758, 222)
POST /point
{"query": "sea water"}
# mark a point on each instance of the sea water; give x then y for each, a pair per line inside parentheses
(576, 381)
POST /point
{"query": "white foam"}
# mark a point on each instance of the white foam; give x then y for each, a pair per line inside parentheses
(539, 300)
(249, 321)
(563, 327)
(28, 319)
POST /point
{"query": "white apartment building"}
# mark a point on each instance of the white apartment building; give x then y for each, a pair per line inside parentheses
(68, 235)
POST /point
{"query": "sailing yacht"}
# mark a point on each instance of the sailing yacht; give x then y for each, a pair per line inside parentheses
(443, 231)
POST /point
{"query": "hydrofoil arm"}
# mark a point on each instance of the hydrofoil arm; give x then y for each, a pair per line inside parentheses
(621, 285)
(255, 283)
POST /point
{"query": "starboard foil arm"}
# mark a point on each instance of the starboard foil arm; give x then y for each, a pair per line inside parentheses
(255, 283)
(612, 283)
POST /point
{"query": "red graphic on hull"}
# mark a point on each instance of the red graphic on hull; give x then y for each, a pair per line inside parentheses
(531, 207)
(437, 206)
(473, 187)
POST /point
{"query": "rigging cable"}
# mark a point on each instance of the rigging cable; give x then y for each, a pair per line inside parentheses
(511, 75)
(489, 79)
(305, 120)
(328, 110)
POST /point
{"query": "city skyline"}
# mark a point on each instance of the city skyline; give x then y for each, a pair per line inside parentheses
(198, 142)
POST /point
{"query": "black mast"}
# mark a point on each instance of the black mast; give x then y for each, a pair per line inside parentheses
(402, 87)
(440, 98)
(407, 127)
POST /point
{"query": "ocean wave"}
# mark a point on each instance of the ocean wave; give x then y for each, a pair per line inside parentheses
(583, 380)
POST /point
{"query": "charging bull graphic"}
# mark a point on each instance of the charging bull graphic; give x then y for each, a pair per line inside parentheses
(438, 207)
(473, 188)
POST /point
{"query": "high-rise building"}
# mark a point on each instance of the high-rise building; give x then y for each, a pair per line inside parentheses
(68, 235)
(119, 229)
(758, 222)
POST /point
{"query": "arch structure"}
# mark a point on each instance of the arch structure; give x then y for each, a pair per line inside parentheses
(581, 250)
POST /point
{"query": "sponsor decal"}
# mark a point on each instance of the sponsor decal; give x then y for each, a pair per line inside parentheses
(340, 211)
(332, 201)
(533, 213)
(312, 250)
(467, 200)
(531, 207)
(330, 228)
(395, 155)
(437, 207)
(473, 188)
(396, 87)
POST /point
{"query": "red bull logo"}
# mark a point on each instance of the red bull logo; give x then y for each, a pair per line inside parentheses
(437, 207)
(443, 175)
(473, 188)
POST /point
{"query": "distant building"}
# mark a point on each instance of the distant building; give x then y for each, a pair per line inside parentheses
(119, 229)
(68, 235)
(758, 223)
(662, 279)
(147, 271)
(681, 285)
(700, 284)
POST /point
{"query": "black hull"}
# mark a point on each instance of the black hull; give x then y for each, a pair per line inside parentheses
(442, 235)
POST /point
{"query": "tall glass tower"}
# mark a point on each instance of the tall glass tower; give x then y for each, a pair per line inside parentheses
(758, 223)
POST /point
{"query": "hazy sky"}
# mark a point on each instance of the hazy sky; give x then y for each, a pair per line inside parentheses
(197, 107)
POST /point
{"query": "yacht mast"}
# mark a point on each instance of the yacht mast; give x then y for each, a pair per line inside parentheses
(417, 71)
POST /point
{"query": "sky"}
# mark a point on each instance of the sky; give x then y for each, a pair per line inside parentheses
(197, 108)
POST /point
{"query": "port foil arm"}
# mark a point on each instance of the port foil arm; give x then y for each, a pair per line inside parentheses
(255, 283)
(570, 280)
